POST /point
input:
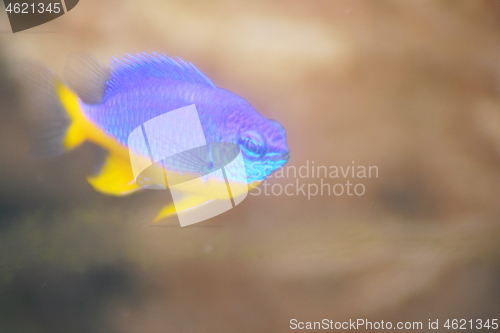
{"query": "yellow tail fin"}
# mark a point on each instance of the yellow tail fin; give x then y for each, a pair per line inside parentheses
(51, 111)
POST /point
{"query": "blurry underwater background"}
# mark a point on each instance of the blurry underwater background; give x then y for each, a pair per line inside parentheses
(411, 87)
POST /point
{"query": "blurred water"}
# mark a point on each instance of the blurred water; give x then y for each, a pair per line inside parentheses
(410, 87)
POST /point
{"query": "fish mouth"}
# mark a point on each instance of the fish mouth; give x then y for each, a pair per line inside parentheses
(281, 157)
(276, 164)
(285, 158)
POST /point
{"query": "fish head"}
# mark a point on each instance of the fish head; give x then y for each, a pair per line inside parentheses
(264, 147)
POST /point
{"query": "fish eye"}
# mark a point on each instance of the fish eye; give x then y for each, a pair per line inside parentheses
(252, 143)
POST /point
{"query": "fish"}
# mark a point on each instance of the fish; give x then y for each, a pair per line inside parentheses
(103, 104)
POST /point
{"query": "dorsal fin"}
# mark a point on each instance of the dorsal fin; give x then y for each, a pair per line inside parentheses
(144, 65)
(87, 77)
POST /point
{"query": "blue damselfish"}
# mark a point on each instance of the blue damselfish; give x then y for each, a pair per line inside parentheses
(104, 104)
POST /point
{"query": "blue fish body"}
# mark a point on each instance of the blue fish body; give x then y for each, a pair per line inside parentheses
(145, 86)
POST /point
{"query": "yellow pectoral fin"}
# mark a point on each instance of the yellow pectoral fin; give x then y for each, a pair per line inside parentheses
(115, 177)
(190, 201)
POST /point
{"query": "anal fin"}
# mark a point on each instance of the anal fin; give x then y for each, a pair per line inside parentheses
(115, 177)
(190, 201)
